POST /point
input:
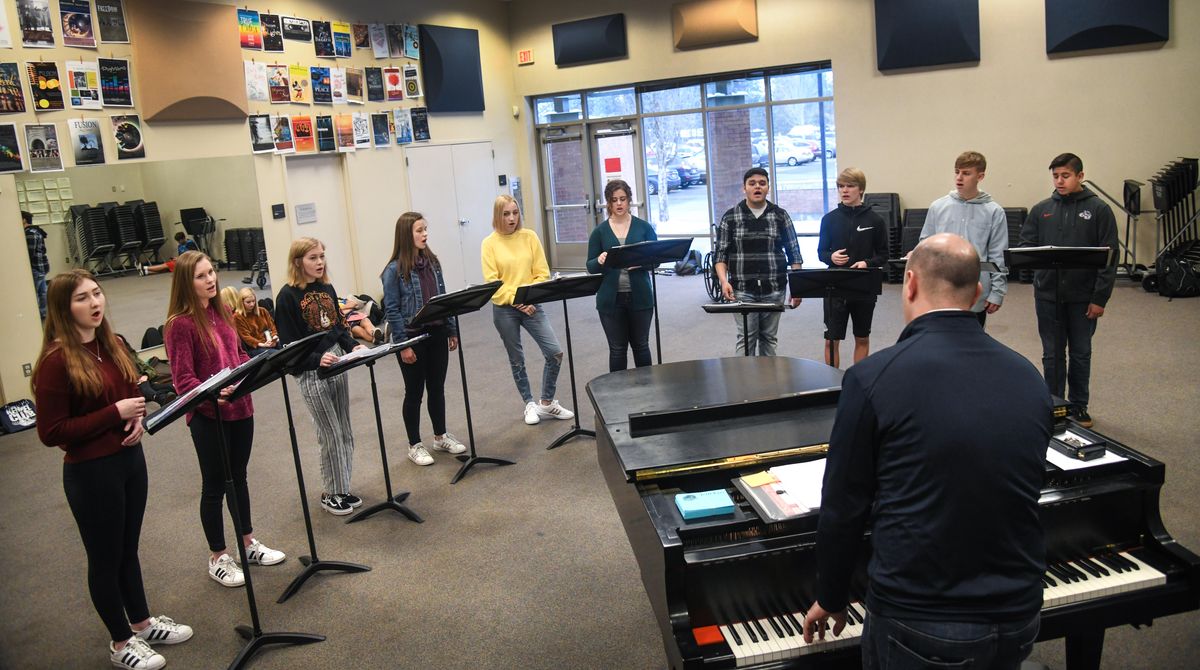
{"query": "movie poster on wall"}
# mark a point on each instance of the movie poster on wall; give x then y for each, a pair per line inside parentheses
(402, 121)
(46, 86)
(10, 149)
(281, 132)
(343, 132)
(262, 140)
(381, 130)
(362, 130)
(272, 33)
(249, 29)
(362, 36)
(412, 42)
(393, 84)
(12, 93)
(375, 92)
(296, 29)
(110, 19)
(412, 82)
(87, 141)
(277, 84)
(420, 124)
(5, 32)
(354, 85)
(343, 43)
(379, 39)
(322, 93)
(76, 22)
(305, 134)
(325, 141)
(395, 35)
(301, 88)
(41, 143)
(337, 85)
(322, 33)
(116, 90)
(37, 26)
(83, 84)
(127, 129)
(256, 81)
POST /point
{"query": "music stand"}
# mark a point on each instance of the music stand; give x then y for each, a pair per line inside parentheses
(450, 306)
(279, 363)
(984, 266)
(652, 253)
(745, 309)
(368, 357)
(563, 288)
(1058, 259)
(209, 391)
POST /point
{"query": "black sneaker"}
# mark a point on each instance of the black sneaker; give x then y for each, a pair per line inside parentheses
(352, 500)
(1082, 417)
(335, 504)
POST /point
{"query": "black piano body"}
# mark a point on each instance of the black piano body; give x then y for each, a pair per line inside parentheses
(696, 425)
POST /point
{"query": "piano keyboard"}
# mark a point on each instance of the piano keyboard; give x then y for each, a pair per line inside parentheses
(781, 636)
(1068, 582)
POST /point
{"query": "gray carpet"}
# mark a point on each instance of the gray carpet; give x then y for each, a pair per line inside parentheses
(524, 566)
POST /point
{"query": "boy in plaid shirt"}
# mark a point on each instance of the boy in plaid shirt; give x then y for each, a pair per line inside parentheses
(35, 240)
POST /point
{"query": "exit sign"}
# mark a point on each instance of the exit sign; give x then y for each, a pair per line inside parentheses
(525, 57)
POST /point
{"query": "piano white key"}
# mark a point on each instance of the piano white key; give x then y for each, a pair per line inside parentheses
(740, 652)
(1150, 576)
(1093, 587)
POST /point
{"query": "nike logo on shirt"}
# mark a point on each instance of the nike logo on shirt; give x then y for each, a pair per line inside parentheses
(867, 228)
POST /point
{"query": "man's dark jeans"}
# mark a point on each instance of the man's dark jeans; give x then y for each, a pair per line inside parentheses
(906, 644)
(1070, 368)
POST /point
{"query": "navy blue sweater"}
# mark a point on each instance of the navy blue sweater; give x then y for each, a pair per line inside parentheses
(938, 444)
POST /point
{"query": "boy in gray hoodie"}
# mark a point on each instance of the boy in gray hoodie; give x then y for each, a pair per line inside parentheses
(970, 213)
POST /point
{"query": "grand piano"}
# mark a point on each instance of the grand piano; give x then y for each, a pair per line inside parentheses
(730, 591)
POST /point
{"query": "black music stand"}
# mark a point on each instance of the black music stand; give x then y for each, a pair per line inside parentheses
(1058, 259)
(563, 288)
(450, 306)
(278, 364)
(745, 309)
(368, 357)
(209, 391)
(652, 253)
(984, 266)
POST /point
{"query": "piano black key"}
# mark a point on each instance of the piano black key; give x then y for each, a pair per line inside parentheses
(775, 625)
(761, 631)
(1081, 563)
(1045, 584)
(781, 613)
(1062, 574)
(1133, 565)
(1108, 560)
(749, 631)
(853, 615)
(1049, 580)
(1074, 570)
(1095, 565)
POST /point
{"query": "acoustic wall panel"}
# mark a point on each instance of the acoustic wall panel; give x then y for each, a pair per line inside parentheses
(919, 33)
(590, 40)
(705, 23)
(1073, 25)
(450, 66)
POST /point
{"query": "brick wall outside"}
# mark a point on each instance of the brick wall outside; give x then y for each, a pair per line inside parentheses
(729, 146)
(568, 186)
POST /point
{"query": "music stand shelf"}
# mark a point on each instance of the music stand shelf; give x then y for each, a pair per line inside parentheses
(651, 253)
(564, 289)
(450, 306)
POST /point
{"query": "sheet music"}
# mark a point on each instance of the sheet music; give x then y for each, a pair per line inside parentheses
(174, 405)
(802, 481)
(355, 355)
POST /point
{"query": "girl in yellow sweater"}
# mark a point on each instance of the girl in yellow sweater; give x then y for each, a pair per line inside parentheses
(514, 256)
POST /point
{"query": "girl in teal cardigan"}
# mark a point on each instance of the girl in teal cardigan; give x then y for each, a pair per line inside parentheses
(625, 300)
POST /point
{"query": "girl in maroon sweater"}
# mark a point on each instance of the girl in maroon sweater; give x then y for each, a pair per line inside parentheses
(85, 387)
(201, 341)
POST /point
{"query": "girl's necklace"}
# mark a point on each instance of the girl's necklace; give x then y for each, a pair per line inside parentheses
(96, 353)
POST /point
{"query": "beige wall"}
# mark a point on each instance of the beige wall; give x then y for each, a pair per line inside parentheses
(1124, 112)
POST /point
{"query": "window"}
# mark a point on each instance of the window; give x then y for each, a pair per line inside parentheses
(671, 99)
(614, 102)
(741, 91)
(558, 108)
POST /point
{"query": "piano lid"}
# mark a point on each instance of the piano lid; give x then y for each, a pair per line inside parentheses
(710, 410)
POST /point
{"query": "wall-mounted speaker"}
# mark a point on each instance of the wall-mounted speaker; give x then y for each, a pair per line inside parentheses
(920, 33)
(1073, 25)
(590, 40)
(450, 66)
(706, 23)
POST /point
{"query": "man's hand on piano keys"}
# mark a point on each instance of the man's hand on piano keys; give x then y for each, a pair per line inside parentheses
(814, 621)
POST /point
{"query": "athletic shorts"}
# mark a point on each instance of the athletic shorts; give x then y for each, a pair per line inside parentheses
(838, 311)
(170, 265)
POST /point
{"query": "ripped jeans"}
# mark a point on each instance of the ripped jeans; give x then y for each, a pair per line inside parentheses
(509, 321)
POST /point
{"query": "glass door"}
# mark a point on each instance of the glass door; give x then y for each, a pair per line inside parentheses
(617, 155)
(570, 195)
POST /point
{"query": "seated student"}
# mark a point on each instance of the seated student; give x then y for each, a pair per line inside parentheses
(852, 236)
(185, 245)
(356, 312)
(229, 296)
(254, 324)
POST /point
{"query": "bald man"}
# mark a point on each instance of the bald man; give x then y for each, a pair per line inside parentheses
(937, 448)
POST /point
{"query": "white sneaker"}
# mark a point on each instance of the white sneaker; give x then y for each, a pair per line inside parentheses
(162, 630)
(419, 455)
(449, 444)
(555, 410)
(136, 655)
(260, 553)
(225, 571)
(531, 413)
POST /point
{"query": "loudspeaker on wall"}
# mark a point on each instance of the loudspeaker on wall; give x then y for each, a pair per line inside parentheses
(919, 33)
(589, 40)
(450, 65)
(706, 23)
(1074, 25)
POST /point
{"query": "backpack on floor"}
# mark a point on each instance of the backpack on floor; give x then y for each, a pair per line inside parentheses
(690, 264)
(18, 416)
(1178, 277)
(374, 312)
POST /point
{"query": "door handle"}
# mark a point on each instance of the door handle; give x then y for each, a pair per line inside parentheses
(464, 222)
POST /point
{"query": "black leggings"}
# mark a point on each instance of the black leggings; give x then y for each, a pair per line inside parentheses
(239, 435)
(428, 373)
(108, 498)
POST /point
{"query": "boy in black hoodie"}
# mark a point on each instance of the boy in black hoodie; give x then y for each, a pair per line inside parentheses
(852, 236)
(1072, 217)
